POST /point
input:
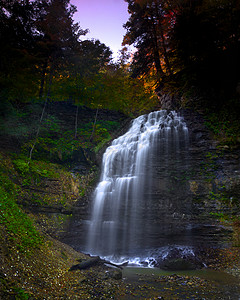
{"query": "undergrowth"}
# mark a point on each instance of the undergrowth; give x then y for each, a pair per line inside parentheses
(224, 123)
(19, 227)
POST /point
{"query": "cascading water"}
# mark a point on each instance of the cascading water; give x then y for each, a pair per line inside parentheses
(132, 212)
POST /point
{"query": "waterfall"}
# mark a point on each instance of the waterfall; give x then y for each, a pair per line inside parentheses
(129, 205)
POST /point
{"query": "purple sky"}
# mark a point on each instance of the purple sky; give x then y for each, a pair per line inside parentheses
(104, 19)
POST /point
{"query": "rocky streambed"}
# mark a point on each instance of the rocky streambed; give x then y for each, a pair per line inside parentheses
(49, 274)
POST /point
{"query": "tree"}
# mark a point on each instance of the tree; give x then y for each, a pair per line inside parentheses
(206, 38)
(17, 65)
(196, 43)
(78, 78)
(147, 29)
(57, 40)
(90, 57)
(59, 37)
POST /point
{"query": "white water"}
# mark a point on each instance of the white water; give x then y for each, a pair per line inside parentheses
(122, 223)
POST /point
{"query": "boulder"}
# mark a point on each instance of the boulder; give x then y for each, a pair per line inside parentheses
(178, 264)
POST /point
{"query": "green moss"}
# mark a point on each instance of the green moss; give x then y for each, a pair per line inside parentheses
(101, 144)
(20, 294)
(225, 123)
(17, 224)
(8, 288)
(35, 168)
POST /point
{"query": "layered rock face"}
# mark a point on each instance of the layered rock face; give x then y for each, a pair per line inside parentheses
(215, 172)
(183, 180)
(212, 180)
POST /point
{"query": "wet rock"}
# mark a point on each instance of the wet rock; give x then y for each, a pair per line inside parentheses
(86, 264)
(168, 101)
(178, 264)
(115, 274)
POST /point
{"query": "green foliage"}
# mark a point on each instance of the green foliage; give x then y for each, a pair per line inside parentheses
(225, 124)
(221, 197)
(15, 292)
(109, 125)
(18, 122)
(112, 89)
(50, 126)
(21, 294)
(224, 217)
(217, 214)
(57, 66)
(56, 141)
(211, 156)
(59, 144)
(57, 147)
(209, 166)
(22, 166)
(101, 144)
(18, 225)
(232, 220)
(34, 169)
(100, 133)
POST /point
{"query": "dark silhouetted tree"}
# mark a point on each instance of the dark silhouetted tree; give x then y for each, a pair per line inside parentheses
(59, 37)
(147, 29)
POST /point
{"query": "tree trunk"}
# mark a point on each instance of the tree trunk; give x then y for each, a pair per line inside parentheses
(44, 70)
(94, 125)
(42, 114)
(76, 123)
(163, 40)
(156, 56)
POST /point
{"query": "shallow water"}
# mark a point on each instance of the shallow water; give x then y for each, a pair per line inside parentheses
(203, 284)
(134, 273)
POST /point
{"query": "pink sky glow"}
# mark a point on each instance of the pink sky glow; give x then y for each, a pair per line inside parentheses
(104, 19)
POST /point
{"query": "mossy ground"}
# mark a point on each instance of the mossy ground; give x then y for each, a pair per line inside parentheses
(45, 274)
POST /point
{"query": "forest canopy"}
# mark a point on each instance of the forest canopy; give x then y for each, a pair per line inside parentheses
(43, 57)
(188, 42)
(180, 45)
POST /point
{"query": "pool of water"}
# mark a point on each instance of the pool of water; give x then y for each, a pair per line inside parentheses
(134, 273)
(147, 283)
